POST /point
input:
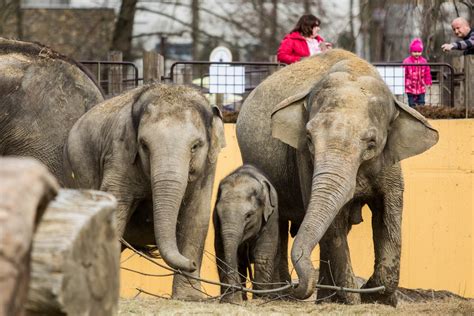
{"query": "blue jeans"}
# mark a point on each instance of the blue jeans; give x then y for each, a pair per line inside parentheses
(416, 99)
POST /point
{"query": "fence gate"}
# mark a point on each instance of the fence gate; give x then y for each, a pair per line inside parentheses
(441, 93)
(114, 77)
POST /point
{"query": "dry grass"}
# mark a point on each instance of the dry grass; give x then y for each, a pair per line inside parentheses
(230, 116)
(156, 306)
(440, 112)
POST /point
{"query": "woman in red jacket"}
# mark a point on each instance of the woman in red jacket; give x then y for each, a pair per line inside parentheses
(303, 41)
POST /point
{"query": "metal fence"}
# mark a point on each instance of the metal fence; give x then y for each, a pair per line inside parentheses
(440, 93)
(226, 84)
(113, 77)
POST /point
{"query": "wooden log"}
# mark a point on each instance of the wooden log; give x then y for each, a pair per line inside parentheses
(26, 187)
(75, 258)
(153, 67)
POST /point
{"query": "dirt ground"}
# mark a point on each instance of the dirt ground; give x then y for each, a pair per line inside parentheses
(159, 306)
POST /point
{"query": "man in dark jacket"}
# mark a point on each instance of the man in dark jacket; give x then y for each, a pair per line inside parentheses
(462, 30)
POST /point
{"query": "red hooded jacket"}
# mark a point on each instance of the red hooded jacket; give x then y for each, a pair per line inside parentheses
(293, 47)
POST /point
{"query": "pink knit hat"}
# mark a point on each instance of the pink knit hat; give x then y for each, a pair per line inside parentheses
(416, 45)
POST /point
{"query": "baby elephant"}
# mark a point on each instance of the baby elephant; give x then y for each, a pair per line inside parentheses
(246, 226)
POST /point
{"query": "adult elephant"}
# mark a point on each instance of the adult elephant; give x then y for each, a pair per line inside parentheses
(42, 94)
(329, 134)
(155, 144)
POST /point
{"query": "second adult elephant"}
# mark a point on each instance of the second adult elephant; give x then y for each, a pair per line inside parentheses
(42, 94)
(329, 134)
(155, 144)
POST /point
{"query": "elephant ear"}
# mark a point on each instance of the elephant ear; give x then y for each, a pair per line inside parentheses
(271, 200)
(289, 120)
(410, 134)
(130, 134)
(217, 135)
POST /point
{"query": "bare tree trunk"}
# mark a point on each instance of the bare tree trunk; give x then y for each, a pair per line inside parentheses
(351, 24)
(273, 41)
(307, 6)
(122, 39)
(11, 10)
(19, 19)
(376, 30)
(195, 28)
(430, 17)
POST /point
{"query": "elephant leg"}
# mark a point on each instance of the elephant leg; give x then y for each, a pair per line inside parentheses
(139, 230)
(264, 254)
(192, 228)
(335, 264)
(125, 201)
(284, 273)
(386, 227)
(243, 268)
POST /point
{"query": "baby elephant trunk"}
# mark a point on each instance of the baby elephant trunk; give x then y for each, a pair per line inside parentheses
(231, 239)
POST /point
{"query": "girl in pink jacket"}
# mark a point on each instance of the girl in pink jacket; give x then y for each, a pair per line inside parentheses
(416, 76)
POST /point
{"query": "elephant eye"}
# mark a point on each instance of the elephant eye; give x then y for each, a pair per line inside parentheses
(249, 215)
(143, 145)
(371, 143)
(195, 146)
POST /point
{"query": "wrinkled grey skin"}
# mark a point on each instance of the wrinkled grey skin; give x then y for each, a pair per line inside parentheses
(246, 226)
(42, 94)
(329, 134)
(154, 147)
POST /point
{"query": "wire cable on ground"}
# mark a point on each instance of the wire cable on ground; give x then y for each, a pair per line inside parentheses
(244, 289)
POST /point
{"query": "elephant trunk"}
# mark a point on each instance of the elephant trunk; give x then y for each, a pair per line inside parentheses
(231, 238)
(169, 181)
(333, 185)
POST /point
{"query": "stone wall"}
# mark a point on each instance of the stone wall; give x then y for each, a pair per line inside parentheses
(83, 34)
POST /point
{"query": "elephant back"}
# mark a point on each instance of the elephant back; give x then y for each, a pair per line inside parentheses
(42, 94)
(299, 78)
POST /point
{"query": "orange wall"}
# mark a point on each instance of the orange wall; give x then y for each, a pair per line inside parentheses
(437, 226)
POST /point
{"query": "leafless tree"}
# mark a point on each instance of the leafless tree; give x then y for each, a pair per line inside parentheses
(254, 27)
(122, 39)
(11, 18)
(195, 27)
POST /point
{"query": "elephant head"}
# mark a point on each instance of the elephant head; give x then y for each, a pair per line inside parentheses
(175, 138)
(244, 204)
(347, 123)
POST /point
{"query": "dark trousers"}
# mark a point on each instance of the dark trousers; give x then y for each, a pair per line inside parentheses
(416, 99)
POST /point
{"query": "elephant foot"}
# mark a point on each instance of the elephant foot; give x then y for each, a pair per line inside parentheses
(380, 298)
(190, 296)
(187, 289)
(326, 296)
(232, 298)
(386, 298)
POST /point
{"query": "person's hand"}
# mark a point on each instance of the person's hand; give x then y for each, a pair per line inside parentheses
(447, 47)
(325, 46)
